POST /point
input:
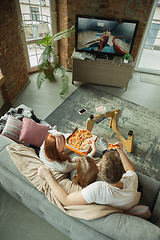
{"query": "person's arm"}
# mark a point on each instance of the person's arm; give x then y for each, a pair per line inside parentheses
(93, 146)
(74, 198)
(63, 167)
(128, 166)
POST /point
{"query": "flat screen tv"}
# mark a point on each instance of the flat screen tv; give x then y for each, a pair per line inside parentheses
(104, 37)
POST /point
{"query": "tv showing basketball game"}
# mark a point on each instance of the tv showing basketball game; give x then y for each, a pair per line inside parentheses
(104, 36)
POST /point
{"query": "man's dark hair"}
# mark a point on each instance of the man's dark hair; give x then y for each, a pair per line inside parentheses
(111, 167)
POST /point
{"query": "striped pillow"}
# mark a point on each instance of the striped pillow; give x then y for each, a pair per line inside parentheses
(139, 211)
(12, 128)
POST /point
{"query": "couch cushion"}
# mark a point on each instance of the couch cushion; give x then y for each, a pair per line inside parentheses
(12, 128)
(6, 161)
(156, 212)
(120, 226)
(150, 190)
(4, 141)
(33, 133)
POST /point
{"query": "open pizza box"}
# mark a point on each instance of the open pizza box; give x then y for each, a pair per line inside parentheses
(85, 146)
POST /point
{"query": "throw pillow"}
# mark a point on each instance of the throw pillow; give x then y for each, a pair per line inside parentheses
(12, 128)
(33, 133)
(139, 211)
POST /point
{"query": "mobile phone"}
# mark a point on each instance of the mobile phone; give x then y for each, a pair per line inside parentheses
(20, 110)
(82, 111)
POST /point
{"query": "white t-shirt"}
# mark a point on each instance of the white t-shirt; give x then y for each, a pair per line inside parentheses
(102, 193)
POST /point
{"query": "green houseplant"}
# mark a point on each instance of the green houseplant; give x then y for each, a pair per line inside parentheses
(49, 62)
(127, 57)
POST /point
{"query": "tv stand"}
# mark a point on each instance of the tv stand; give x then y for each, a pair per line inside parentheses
(109, 72)
(107, 57)
(110, 57)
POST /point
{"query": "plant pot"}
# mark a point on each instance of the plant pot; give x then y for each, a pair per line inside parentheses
(49, 73)
(125, 61)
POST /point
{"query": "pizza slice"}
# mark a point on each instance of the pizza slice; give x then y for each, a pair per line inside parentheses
(111, 146)
(78, 137)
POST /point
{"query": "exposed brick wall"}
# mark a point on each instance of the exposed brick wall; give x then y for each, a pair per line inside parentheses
(12, 60)
(127, 9)
(62, 10)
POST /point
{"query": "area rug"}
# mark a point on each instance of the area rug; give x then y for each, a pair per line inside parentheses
(148, 78)
(144, 122)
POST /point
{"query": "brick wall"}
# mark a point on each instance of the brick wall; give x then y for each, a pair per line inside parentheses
(127, 9)
(12, 60)
(63, 48)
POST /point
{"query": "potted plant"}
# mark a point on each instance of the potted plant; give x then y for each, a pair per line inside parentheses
(127, 57)
(49, 62)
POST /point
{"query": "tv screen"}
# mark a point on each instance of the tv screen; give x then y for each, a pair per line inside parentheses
(104, 36)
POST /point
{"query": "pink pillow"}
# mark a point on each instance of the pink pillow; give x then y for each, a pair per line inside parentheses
(139, 211)
(32, 132)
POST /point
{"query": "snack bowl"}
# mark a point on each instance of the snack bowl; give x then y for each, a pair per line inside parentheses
(100, 109)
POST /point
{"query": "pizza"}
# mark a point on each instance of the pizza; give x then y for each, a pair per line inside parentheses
(111, 146)
(78, 138)
(84, 143)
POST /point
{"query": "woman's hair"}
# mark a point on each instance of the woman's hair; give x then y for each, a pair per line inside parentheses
(111, 167)
(87, 171)
(53, 146)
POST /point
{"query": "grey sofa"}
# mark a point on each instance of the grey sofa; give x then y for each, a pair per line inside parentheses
(114, 226)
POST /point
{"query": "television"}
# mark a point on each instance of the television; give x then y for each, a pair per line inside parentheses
(104, 37)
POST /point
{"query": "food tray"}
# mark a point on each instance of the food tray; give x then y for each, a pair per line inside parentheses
(85, 149)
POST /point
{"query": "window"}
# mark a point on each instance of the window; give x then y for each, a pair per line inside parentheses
(149, 58)
(42, 2)
(35, 13)
(35, 18)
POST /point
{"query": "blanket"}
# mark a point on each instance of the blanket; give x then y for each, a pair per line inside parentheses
(28, 162)
(19, 113)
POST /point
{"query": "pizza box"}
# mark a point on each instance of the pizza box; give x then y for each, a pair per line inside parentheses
(85, 149)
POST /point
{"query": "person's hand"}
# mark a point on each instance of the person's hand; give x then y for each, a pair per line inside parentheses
(63, 152)
(119, 147)
(93, 144)
(43, 172)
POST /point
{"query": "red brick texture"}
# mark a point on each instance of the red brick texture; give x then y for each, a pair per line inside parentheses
(127, 9)
(12, 60)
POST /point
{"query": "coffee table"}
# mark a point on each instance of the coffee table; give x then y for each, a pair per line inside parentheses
(127, 136)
